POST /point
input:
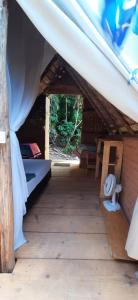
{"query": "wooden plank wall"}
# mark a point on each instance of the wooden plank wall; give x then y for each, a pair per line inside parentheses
(92, 125)
(7, 260)
(129, 178)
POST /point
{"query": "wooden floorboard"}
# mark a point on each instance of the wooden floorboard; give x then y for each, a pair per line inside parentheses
(69, 280)
(65, 245)
(64, 202)
(67, 256)
(69, 197)
(117, 231)
(72, 224)
(95, 211)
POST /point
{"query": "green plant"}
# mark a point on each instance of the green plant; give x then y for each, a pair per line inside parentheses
(65, 121)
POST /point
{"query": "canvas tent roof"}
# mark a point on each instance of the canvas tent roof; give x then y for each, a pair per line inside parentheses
(69, 29)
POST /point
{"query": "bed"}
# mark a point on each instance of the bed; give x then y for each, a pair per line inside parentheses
(36, 170)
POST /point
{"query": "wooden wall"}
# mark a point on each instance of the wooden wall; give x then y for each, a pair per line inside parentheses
(33, 130)
(129, 178)
(92, 125)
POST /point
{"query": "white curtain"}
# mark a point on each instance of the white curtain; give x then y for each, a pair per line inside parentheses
(67, 26)
(132, 240)
(27, 56)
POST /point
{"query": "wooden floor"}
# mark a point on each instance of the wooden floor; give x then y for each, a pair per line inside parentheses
(67, 256)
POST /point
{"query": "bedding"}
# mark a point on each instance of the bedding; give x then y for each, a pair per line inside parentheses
(29, 176)
(30, 150)
(39, 168)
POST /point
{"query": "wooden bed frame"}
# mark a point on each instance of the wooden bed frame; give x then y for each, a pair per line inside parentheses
(32, 199)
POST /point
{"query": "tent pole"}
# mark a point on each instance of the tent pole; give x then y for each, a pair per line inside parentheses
(7, 260)
(47, 113)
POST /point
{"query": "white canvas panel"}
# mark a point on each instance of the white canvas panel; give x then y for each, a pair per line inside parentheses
(60, 26)
(132, 240)
(27, 56)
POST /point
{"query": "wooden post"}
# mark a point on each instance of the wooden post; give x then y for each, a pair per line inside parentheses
(118, 166)
(105, 166)
(7, 260)
(98, 159)
(47, 113)
(105, 160)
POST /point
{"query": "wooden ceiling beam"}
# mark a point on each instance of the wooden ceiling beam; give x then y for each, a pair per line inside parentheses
(109, 112)
(50, 73)
(81, 84)
(63, 89)
(113, 119)
(117, 116)
(102, 108)
(117, 119)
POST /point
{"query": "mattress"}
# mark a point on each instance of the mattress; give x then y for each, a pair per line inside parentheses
(39, 167)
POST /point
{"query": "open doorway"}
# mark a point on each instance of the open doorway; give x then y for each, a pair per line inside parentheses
(65, 125)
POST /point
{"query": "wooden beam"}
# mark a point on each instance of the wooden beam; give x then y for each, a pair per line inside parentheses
(96, 101)
(47, 114)
(63, 84)
(112, 117)
(65, 89)
(109, 113)
(103, 107)
(117, 116)
(82, 86)
(49, 74)
(7, 260)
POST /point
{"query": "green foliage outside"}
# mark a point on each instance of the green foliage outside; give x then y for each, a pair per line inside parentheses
(65, 121)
